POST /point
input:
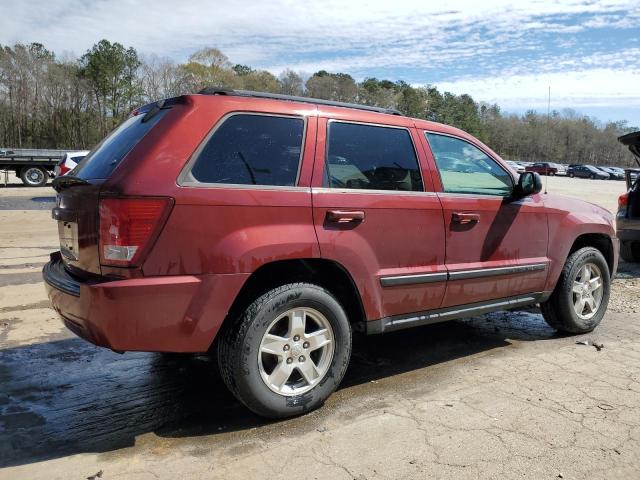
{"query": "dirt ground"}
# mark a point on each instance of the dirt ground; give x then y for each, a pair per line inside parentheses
(497, 396)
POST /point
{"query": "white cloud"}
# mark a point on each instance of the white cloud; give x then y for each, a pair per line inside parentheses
(571, 89)
(269, 32)
(501, 36)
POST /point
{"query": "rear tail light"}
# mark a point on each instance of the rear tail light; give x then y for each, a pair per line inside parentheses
(63, 169)
(128, 228)
(623, 200)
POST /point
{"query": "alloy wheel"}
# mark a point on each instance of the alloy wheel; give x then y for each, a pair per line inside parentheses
(588, 289)
(296, 351)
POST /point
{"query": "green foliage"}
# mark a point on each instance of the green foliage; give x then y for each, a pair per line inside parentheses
(242, 70)
(49, 103)
(111, 70)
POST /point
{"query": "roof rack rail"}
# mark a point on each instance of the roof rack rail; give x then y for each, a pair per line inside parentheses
(294, 98)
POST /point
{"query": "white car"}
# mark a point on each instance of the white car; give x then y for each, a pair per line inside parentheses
(69, 162)
(516, 166)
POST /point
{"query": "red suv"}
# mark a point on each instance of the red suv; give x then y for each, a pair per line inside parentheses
(546, 168)
(269, 227)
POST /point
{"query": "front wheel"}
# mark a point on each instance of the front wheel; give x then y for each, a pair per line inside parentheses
(34, 176)
(552, 173)
(580, 298)
(571, 175)
(287, 352)
(592, 176)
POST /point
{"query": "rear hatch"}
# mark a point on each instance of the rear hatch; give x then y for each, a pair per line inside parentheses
(631, 207)
(78, 195)
(632, 141)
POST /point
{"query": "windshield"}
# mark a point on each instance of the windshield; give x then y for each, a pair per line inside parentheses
(103, 159)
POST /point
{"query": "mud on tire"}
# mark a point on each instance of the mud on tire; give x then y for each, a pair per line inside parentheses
(559, 311)
(242, 357)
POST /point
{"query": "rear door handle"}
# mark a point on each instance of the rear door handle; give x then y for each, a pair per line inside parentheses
(465, 218)
(345, 216)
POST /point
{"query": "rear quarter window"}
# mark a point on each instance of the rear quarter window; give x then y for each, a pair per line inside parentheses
(103, 159)
(251, 149)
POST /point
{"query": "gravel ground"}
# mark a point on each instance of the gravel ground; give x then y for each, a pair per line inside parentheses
(497, 396)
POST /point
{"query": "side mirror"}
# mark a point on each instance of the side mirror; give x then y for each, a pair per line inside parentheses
(528, 184)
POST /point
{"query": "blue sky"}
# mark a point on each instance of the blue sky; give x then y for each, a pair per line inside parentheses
(498, 51)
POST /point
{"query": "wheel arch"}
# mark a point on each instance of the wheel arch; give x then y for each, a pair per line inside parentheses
(328, 274)
(599, 241)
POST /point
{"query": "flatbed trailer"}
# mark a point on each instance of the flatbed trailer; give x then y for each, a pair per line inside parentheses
(33, 166)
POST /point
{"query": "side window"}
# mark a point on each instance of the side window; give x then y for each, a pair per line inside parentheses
(371, 157)
(252, 150)
(466, 169)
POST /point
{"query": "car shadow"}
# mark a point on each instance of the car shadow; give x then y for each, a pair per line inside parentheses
(67, 397)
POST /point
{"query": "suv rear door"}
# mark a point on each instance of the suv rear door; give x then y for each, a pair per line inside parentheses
(376, 214)
(78, 192)
(496, 247)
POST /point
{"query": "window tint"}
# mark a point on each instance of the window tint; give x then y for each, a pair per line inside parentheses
(466, 169)
(252, 150)
(371, 157)
(110, 152)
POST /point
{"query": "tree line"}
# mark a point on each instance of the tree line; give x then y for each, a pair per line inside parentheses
(51, 102)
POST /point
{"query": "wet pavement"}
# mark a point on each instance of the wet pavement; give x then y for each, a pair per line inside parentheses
(66, 396)
(45, 202)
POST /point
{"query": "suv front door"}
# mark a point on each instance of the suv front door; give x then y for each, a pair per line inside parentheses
(376, 214)
(496, 247)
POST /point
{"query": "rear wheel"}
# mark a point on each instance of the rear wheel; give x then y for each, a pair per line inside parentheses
(551, 173)
(592, 176)
(34, 176)
(630, 251)
(287, 352)
(571, 175)
(580, 298)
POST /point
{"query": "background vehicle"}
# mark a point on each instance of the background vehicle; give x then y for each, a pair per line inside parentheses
(34, 167)
(69, 162)
(614, 174)
(546, 168)
(516, 166)
(587, 171)
(277, 225)
(628, 216)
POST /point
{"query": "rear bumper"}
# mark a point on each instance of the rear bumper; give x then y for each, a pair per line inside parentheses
(626, 235)
(628, 229)
(166, 314)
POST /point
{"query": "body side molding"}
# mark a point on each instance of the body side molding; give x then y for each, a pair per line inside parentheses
(399, 322)
(395, 280)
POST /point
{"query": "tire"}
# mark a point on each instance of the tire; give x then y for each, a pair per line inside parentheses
(247, 369)
(552, 173)
(630, 251)
(592, 176)
(34, 176)
(559, 311)
(571, 175)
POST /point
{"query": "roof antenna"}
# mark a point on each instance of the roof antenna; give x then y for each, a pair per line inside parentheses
(546, 180)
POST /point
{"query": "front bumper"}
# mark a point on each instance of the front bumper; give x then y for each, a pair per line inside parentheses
(166, 314)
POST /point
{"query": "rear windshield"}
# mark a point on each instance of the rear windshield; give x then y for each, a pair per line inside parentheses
(103, 159)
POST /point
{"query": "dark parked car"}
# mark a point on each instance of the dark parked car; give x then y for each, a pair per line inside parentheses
(613, 174)
(587, 171)
(628, 217)
(546, 168)
(267, 228)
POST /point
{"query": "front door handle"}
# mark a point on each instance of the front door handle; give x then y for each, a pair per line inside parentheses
(465, 218)
(345, 216)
